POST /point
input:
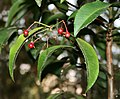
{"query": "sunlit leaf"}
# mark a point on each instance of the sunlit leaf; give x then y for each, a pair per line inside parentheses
(14, 50)
(5, 34)
(38, 2)
(88, 13)
(44, 55)
(91, 60)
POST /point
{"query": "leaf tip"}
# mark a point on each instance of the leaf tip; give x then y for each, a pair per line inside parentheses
(75, 33)
(39, 5)
(39, 75)
(12, 77)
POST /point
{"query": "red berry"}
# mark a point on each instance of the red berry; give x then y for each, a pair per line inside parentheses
(31, 45)
(60, 31)
(67, 34)
(25, 33)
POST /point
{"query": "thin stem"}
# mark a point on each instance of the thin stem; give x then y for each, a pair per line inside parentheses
(37, 39)
(30, 26)
(47, 41)
(38, 23)
(42, 24)
(37, 33)
(65, 25)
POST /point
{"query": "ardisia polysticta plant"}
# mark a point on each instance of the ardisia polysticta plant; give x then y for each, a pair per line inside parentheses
(48, 39)
(75, 44)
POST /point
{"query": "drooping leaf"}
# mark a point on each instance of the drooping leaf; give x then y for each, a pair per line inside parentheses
(44, 55)
(5, 34)
(19, 15)
(38, 2)
(61, 1)
(14, 50)
(88, 13)
(91, 60)
(16, 7)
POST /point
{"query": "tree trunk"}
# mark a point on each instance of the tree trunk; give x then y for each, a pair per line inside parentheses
(109, 64)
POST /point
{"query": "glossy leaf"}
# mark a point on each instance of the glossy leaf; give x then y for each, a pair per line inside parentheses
(38, 2)
(5, 34)
(91, 60)
(44, 55)
(14, 50)
(88, 13)
(16, 7)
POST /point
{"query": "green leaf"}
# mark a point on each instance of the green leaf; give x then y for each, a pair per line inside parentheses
(44, 55)
(13, 1)
(91, 60)
(102, 75)
(55, 17)
(116, 4)
(38, 2)
(14, 50)
(101, 46)
(17, 6)
(61, 1)
(5, 34)
(63, 7)
(88, 13)
(19, 15)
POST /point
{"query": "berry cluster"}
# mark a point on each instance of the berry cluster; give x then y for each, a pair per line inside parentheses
(61, 32)
(31, 44)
